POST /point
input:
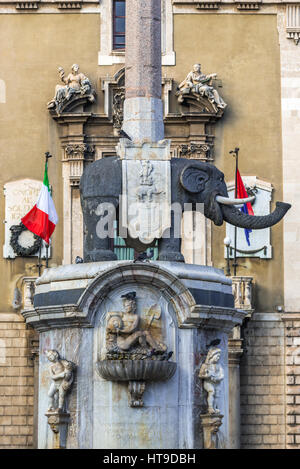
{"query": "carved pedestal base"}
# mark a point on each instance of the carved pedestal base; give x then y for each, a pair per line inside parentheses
(58, 422)
(211, 424)
(135, 393)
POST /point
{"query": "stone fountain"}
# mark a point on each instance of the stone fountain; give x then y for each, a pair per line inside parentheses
(138, 350)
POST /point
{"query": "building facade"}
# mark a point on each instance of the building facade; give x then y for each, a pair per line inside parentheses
(253, 48)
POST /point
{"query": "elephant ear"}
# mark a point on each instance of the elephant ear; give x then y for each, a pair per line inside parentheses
(193, 179)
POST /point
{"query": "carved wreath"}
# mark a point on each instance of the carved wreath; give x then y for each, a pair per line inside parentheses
(19, 250)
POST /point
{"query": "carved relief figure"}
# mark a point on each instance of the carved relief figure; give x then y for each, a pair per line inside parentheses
(124, 332)
(61, 372)
(147, 189)
(212, 374)
(76, 85)
(200, 84)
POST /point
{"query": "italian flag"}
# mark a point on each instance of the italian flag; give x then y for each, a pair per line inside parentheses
(42, 218)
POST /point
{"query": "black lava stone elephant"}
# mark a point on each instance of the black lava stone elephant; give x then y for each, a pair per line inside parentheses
(192, 182)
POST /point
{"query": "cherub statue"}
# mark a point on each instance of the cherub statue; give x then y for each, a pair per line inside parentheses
(200, 84)
(212, 374)
(76, 84)
(123, 329)
(61, 372)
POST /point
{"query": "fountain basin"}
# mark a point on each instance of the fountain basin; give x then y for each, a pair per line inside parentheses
(136, 370)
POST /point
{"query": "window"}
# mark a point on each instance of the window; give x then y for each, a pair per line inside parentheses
(112, 32)
(124, 253)
(119, 25)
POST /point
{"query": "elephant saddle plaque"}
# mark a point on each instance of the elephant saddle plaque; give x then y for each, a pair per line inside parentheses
(146, 198)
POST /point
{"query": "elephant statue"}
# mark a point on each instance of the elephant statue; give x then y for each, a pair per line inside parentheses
(192, 182)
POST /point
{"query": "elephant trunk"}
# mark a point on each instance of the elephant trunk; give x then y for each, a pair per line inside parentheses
(236, 217)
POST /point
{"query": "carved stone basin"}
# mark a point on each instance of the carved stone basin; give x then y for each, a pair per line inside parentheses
(136, 370)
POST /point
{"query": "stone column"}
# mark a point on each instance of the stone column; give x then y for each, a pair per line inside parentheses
(235, 352)
(143, 112)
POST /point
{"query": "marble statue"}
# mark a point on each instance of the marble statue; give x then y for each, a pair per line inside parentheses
(125, 334)
(212, 374)
(76, 85)
(61, 372)
(200, 84)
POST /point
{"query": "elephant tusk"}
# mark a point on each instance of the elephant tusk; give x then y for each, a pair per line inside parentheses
(227, 201)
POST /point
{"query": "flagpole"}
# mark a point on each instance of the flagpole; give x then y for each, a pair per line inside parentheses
(235, 154)
(47, 156)
(39, 261)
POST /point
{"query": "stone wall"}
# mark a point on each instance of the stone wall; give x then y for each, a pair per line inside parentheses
(292, 370)
(16, 385)
(262, 383)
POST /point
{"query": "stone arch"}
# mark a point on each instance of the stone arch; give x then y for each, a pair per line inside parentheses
(154, 276)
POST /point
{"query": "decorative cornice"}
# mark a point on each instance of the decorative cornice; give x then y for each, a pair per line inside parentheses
(219, 318)
(82, 314)
(293, 23)
(69, 5)
(27, 5)
(248, 4)
(209, 5)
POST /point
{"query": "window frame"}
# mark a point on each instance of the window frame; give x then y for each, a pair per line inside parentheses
(107, 56)
(114, 32)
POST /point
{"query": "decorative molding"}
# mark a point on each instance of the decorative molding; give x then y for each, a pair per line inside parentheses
(248, 5)
(198, 151)
(293, 23)
(208, 5)
(188, 314)
(114, 96)
(27, 5)
(69, 5)
(76, 155)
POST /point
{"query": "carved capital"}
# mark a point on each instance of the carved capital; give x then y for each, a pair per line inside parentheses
(78, 151)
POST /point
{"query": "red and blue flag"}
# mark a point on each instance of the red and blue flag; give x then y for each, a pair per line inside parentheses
(247, 208)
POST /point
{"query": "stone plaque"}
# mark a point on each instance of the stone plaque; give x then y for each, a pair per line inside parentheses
(260, 240)
(146, 198)
(20, 197)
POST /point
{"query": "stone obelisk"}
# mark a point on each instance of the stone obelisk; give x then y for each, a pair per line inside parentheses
(146, 172)
(143, 112)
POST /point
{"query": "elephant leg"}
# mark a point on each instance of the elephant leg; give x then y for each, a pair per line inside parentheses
(169, 246)
(99, 229)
